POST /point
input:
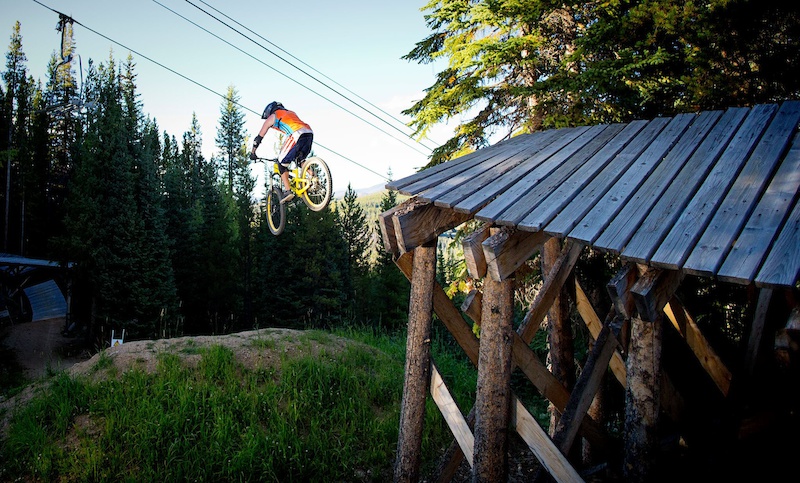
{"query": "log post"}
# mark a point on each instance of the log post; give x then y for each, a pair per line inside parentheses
(417, 368)
(493, 395)
(643, 394)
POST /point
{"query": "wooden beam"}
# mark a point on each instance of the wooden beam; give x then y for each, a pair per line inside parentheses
(757, 330)
(509, 248)
(452, 415)
(417, 223)
(542, 446)
(550, 388)
(708, 358)
(653, 290)
(386, 223)
(417, 367)
(553, 283)
(619, 289)
(472, 305)
(473, 251)
(585, 389)
(595, 325)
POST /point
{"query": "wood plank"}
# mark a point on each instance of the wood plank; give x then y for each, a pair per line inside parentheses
(486, 180)
(726, 225)
(509, 248)
(539, 189)
(782, 266)
(757, 330)
(562, 194)
(553, 283)
(752, 245)
(599, 184)
(585, 389)
(433, 187)
(630, 216)
(473, 251)
(661, 217)
(455, 165)
(452, 415)
(595, 325)
(542, 446)
(602, 213)
(473, 305)
(706, 355)
(489, 172)
(472, 203)
(677, 245)
(417, 223)
(524, 183)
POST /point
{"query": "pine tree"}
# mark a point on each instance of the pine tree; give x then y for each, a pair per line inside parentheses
(389, 288)
(522, 65)
(17, 108)
(234, 166)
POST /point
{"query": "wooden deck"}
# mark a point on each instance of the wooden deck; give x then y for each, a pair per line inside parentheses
(713, 194)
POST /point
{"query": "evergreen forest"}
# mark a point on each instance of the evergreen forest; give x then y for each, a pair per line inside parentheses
(162, 241)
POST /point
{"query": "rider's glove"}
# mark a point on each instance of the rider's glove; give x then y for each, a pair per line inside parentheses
(257, 141)
(253, 155)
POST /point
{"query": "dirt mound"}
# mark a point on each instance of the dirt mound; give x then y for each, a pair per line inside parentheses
(253, 349)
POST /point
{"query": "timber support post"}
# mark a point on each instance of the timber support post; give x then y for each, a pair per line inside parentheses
(418, 364)
(651, 293)
(493, 395)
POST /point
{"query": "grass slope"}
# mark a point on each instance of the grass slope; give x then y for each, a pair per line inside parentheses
(267, 405)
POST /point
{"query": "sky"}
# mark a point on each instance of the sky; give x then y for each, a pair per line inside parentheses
(351, 46)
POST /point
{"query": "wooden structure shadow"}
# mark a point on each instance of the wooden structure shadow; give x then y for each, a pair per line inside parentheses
(712, 194)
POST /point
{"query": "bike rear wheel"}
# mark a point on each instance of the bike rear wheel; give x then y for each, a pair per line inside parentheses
(318, 195)
(276, 212)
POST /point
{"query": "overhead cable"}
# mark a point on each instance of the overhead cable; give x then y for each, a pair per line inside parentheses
(305, 64)
(290, 78)
(212, 91)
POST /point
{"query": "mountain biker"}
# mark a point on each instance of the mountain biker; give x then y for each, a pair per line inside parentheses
(296, 146)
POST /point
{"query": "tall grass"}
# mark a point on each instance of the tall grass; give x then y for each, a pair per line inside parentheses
(332, 416)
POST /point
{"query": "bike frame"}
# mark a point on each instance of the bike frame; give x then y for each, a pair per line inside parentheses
(297, 183)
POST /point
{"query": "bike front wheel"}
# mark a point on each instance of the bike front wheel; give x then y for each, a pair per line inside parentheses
(276, 212)
(318, 195)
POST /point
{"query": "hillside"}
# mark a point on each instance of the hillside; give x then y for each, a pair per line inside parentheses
(261, 405)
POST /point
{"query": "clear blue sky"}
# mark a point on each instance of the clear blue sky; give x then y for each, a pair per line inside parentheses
(357, 43)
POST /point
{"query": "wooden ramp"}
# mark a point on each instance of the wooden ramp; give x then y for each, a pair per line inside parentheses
(712, 194)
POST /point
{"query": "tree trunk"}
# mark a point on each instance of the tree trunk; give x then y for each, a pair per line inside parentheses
(417, 369)
(642, 397)
(493, 397)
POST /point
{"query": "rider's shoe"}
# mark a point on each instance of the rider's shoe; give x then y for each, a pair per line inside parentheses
(286, 196)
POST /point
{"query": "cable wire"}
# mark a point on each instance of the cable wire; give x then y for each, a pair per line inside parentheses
(303, 71)
(222, 96)
(289, 77)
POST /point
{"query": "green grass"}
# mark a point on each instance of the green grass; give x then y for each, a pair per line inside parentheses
(329, 416)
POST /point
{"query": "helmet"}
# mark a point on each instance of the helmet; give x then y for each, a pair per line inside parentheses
(271, 107)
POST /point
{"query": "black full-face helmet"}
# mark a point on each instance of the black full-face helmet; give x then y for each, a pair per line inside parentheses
(271, 107)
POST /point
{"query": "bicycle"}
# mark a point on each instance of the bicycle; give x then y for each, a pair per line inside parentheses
(313, 186)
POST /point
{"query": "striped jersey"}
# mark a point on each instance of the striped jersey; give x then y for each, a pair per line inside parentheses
(288, 122)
